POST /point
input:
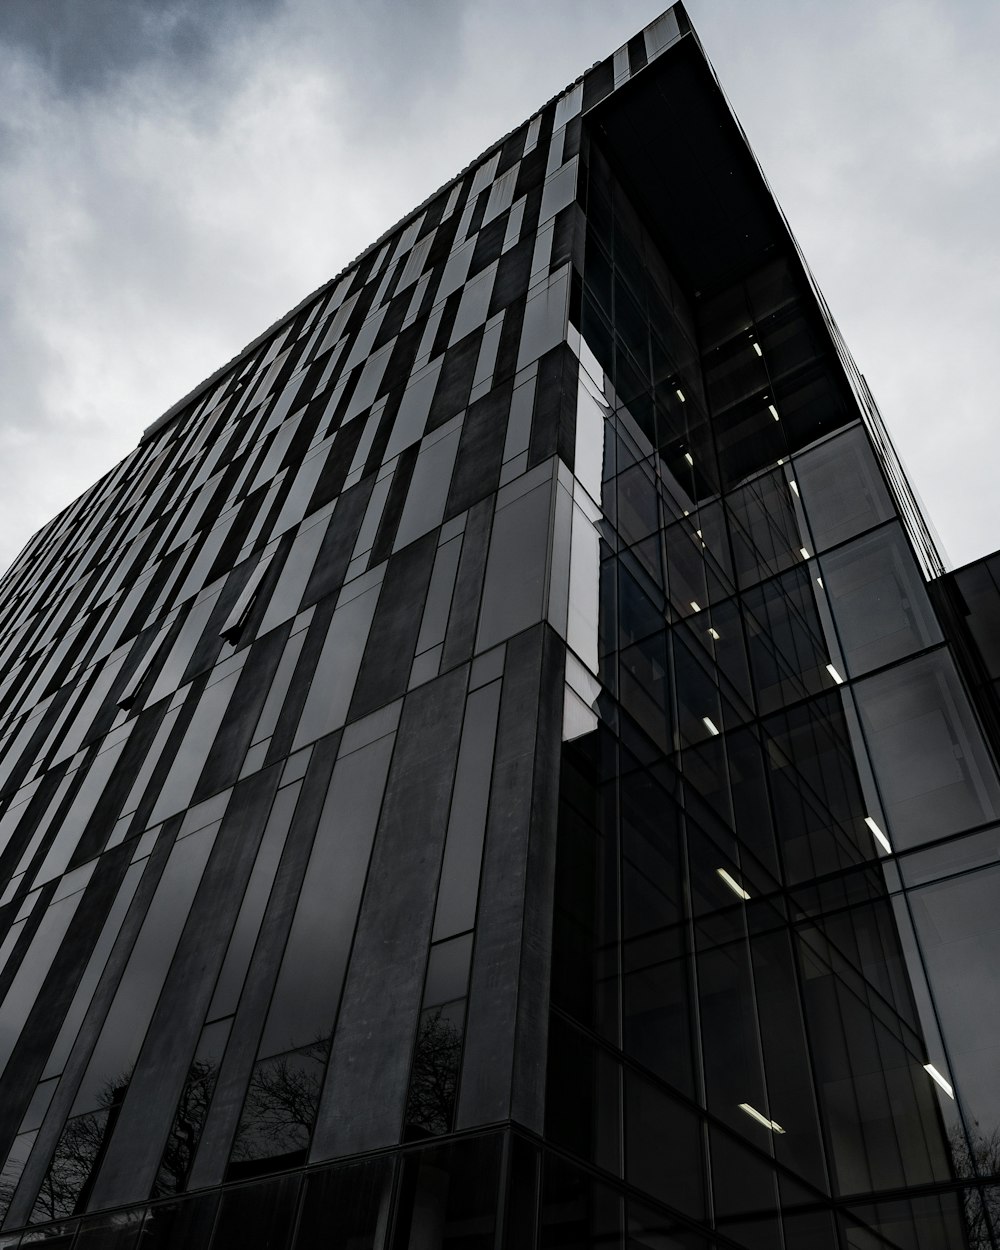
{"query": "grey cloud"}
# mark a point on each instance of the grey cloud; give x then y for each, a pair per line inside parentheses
(87, 46)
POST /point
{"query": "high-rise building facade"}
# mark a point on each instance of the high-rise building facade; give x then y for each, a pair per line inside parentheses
(499, 765)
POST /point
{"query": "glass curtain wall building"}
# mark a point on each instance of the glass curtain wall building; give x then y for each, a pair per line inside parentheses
(499, 766)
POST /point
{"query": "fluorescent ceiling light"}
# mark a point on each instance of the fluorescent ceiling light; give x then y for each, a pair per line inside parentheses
(689, 458)
(804, 553)
(710, 726)
(733, 884)
(694, 606)
(878, 834)
(714, 633)
(935, 1075)
(835, 675)
(773, 411)
(680, 395)
(773, 1125)
(819, 583)
(756, 348)
(795, 489)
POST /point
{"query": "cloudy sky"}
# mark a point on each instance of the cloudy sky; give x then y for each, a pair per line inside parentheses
(176, 174)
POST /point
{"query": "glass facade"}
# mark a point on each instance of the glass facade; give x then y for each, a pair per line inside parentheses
(490, 770)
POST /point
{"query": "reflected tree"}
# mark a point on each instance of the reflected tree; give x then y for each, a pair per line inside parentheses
(82, 1145)
(178, 1155)
(977, 1159)
(276, 1124)
(281, 1104)
(431, 1103)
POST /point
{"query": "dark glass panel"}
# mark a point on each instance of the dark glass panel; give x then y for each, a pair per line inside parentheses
(663, 1147)
(655, 992)
(305, 997)
(55, 1237)
(119, 1231)
(244, 935)
(974, 850)
(787, 1064)
(958, 926)
(649, 1229)
(13, 1167)
(185, 1132)
(458, 889)
(257, 1215)
(430, 1103)
(920, 1222)
(696, 690)
(818, 806)
(521, 1216)
(585, 933)
(448, 1196)
(842, 488)
(933, 768)
(734, 1077)
(744, 1193)
(578, 1213)
(765, 531)
(640, 604)
(810, 1230)
(788, 652)
(514, 588)
(346, 1208)
(644, 690)
(751, 805)
(884, 1128)
(879, 600)
(448, 971)
(583, 1098)
(279, 1111)
(52, 920)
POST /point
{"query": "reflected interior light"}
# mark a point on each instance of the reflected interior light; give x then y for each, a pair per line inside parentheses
(819, 583)
(714, 633)
(710, 726)
(694, 606)
(773, 411)
(795, 489)
(733, 884)
(935, 1075)
(878, 834)
(688, 457)
(680, 395)
(756, 347)
(780, 461)
(835, 675)
(804, 553)
(773, 1125)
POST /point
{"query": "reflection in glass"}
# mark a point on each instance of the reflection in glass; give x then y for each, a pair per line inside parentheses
(279, 1110)
(933, 767)
(879, 600)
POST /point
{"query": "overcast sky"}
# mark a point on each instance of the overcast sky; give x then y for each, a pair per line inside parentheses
(176, 174)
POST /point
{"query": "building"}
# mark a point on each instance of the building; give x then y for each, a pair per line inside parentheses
(500, 765)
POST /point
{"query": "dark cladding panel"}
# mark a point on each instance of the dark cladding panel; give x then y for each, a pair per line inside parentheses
(234, 1071)
(506, 1031)
(392, 639)
(378, 1016)
(44, 1020)
(128, 1168)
